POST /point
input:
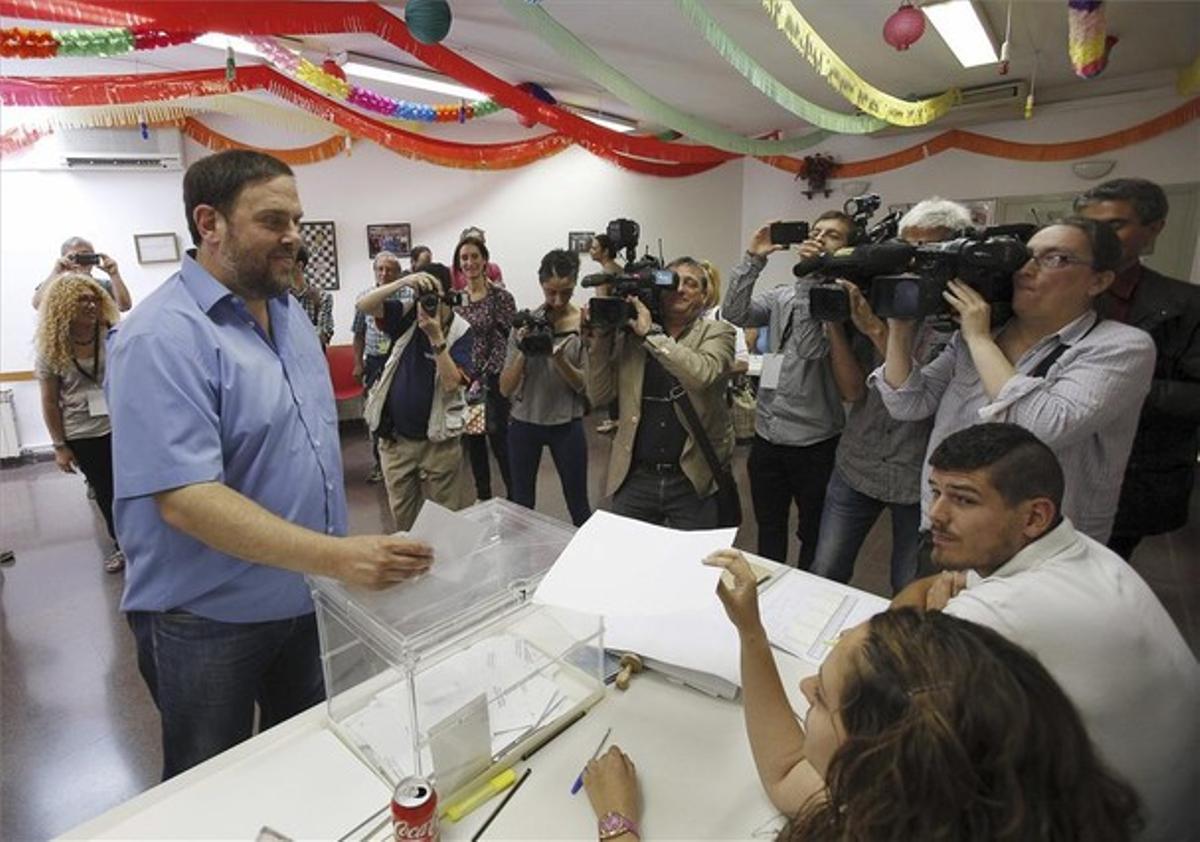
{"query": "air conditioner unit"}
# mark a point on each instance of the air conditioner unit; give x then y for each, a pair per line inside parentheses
(120, 149)
(1008, 93)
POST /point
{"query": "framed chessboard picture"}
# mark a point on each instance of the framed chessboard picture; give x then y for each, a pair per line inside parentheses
(321, 240)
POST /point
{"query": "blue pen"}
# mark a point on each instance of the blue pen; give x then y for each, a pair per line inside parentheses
(578, 785)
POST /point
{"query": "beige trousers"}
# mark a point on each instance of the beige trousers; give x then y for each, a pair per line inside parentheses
(415, 470)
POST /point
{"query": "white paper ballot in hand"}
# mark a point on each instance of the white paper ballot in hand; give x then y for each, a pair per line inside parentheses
(620, 566)
(452, 536)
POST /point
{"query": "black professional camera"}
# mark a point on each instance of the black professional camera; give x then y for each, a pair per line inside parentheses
(906, 282)
(429, 301)
(538, 340)
(644, 278)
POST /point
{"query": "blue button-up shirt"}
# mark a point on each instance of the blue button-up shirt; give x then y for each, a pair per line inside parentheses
(197, 393)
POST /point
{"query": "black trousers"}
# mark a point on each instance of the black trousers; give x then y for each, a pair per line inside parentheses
(94, 457)
(497, 435)
(779, 475)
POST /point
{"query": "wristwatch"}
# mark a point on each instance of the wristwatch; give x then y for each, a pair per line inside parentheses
(613, 824)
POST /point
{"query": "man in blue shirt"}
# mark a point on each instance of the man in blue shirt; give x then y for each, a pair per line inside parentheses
(228, 471)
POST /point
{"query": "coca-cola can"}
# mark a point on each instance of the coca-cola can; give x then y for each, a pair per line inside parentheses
(414, 811)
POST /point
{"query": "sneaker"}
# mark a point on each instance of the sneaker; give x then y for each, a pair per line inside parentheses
(115, 563)
(375, 476)
(608, 426)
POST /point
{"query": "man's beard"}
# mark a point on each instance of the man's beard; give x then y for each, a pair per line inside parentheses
(253, 275)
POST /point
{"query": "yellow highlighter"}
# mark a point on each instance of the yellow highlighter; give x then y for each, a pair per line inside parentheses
(495, 786)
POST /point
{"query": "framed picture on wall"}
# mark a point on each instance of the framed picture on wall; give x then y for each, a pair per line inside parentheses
(580, 241)
(321, 240)
(395, 237)
(157, 248)
(983, 211)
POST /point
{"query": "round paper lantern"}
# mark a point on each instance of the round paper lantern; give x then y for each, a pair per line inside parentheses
(428, 20)
(904, 27)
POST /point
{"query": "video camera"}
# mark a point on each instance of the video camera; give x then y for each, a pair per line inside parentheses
(904, 281)
(644, 278)
(538, 340)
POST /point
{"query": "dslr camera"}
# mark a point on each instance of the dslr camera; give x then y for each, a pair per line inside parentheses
(538, 340)
(85, 258)
(429, 301)
(644, 278)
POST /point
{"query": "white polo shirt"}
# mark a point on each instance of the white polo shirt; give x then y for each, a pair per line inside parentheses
(1100, 631)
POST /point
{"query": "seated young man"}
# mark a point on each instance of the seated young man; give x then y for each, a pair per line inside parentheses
(1014, 563)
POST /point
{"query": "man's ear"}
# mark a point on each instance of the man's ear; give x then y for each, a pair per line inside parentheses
(208, 221)
(1039, 516)
(1102, 281)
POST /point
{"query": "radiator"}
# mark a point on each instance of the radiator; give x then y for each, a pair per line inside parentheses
(10, 442)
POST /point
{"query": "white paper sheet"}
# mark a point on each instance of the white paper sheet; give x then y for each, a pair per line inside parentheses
(453, 537)
(620, 566)
(804, 614)
(702, 640)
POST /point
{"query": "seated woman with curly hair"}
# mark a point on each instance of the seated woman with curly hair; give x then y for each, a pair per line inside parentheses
(76, 313)
(920, 726)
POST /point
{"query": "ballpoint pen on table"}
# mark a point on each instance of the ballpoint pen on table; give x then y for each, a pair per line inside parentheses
(575, 787)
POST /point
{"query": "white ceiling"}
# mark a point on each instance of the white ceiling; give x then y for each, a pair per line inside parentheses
(652, 42)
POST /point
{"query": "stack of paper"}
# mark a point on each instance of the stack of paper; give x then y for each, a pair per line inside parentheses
(803, 614)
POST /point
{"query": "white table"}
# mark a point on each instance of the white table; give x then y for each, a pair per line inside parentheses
(697, 776)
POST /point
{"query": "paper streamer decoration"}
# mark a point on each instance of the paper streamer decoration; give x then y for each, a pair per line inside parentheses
(759, 77)
(845, 81)
(1088, 41)
(585, 60)
(18, 42)
(266, 17)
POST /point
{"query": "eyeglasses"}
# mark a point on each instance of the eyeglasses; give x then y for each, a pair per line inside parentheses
(1058, 260)
(88, 299)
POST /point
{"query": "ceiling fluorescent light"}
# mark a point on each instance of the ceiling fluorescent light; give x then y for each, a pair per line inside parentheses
(408, 79)
(964, 31)
(219, 41)
(616, 124)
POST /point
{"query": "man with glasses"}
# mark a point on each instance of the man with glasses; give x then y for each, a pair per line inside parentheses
(1056, 368)
(1162, 465)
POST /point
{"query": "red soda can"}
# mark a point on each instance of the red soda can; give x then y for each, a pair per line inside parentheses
(414, 811)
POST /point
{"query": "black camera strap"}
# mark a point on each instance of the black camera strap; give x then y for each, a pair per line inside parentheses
(1050, 359)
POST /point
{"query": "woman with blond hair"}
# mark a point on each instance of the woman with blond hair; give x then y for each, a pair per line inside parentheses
(712, 310)
(76, 313)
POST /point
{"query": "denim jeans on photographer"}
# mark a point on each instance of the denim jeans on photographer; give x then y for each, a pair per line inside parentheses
(846, 519)
(206, 675)
(666, 499)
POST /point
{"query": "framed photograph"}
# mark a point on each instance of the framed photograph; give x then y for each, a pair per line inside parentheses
(157, 248)
(321, 240)
(580, 241)
(395, 237)
(983, 211)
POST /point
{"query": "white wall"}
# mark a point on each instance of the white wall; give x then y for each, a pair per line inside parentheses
(525, 212)
(769, 193)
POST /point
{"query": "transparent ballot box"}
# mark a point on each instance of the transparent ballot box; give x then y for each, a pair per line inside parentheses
(457, 671)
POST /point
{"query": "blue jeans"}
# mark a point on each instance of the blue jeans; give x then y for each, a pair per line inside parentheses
(666, 499)
(205, 677)
(846, 519)
(568, 449)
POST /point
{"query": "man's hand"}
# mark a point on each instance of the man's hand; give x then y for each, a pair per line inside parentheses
(640, 325)
(861, 314)
(740, 601)
(64, 457)
(65, 264)
(944, 588)
(760, 242)
(357, 373)
(108, 265)
(380, 561)
(611, 784)
(974, 313)
(810, 248)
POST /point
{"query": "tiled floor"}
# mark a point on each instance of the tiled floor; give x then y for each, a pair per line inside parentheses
(78, 731)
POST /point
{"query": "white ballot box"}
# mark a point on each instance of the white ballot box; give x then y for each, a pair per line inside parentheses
(457, 672)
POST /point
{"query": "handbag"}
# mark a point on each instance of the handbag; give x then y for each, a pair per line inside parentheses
(729, 502)
(743, 406)
(475, 415)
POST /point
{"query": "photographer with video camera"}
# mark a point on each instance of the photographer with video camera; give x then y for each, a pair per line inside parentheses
(658, 471)
(1074, 380)
(878, 463)
(77, 256)
(543, 377)
(417, 405)
(807, 373)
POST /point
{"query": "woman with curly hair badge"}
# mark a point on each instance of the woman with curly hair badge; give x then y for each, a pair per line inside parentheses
(76, 313)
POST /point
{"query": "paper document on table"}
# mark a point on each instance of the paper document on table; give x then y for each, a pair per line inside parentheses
(453, 537)
(620, 566)
(702, 640)
(804, 614)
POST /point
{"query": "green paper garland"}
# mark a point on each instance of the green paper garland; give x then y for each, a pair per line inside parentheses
(583, 59)
(775, 90)
(94, 42)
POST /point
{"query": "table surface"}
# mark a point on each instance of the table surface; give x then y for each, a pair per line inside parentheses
(693, 759)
